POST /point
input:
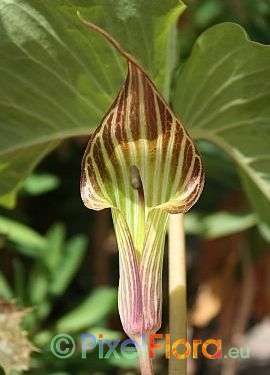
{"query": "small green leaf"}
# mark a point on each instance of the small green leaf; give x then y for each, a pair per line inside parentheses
(226, 223)
(54, 246)
(222, 95)
(218, 224)
(38, 284)
(101, 302)
(69, 264)
(37, 184)
(25, 238)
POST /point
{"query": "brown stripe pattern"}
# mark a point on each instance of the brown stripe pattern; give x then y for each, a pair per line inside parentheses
(141, 130)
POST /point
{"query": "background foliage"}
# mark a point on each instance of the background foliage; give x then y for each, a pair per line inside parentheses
(57, 80)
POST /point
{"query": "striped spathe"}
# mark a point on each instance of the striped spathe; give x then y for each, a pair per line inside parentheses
(141, 163)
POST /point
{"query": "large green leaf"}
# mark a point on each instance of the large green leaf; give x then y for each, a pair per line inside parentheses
(58, 78)
(223, 95)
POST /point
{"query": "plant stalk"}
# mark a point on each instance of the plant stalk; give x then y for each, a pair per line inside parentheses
(177, 290)
(144, 356)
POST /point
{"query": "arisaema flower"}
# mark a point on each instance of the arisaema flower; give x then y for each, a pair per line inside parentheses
(141, 163)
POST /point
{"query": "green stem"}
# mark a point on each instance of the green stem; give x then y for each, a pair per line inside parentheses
(177, 290)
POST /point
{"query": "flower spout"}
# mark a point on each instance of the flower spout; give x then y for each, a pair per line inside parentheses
(140, 283)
